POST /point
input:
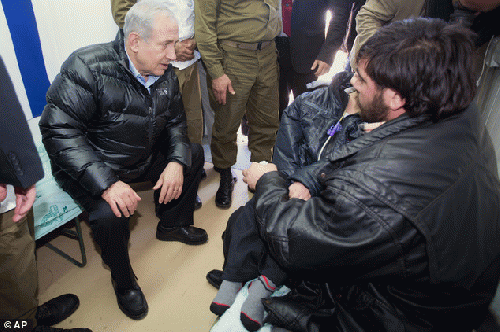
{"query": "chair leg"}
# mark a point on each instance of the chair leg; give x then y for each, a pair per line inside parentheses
(77, 235)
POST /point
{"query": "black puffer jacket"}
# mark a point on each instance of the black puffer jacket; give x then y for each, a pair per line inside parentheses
(404, 237)
(101, 125)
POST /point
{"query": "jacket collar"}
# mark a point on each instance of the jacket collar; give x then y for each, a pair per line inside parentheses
(119, 46)
(389, 128)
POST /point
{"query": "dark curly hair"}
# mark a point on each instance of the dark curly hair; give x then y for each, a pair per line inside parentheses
(427, 61)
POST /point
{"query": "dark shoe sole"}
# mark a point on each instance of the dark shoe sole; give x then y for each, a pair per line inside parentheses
(222, 206)
(214, 278)
(131, 316)
(168, 238)
(124, 310)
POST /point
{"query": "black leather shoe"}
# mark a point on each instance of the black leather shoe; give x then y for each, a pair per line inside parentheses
(131, 301)
(41, 328)
(223, 195)
(188, 235)
(197, 203)
(214, 278)
(56, 310)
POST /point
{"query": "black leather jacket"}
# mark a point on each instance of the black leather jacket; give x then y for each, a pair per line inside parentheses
(101, 124)
(405, 235)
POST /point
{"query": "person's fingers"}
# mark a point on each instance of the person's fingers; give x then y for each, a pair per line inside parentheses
(130, 204)
(222, 97)
(26, 204)
(314, 65)
(158, 184)
(163, 193)
(115, 209)
(3, 191)
(230, 89)
(122, 205)
(177, 193)
(18, 214)
(170, 195)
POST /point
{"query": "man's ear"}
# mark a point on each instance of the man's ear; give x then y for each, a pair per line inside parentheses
(133, 41)
(395, 102)
(393, 99)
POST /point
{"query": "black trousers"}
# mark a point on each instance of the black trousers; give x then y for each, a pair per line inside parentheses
(245, 253)
(290, 80)
(112, 233)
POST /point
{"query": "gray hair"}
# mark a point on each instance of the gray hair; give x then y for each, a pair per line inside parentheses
(140, 18)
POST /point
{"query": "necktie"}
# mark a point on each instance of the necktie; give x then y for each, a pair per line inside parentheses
(286, 10)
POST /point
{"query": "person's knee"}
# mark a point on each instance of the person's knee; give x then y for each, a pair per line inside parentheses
(102, 217)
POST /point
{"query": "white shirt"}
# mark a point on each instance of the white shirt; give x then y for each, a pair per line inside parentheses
(184, 13)
(8, 203)
(151, 78)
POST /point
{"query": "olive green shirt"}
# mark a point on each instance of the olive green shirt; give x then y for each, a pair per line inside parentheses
(246, 21)
(376, 13)
(119, 9)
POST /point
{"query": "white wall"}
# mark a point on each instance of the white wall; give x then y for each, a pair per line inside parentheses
(66, 25)
(63, 26)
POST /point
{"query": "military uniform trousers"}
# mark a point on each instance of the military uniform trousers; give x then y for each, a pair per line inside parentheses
(189, 84)
(18, 272)
(254, 78)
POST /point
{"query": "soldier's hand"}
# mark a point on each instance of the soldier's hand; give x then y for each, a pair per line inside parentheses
(221, 86)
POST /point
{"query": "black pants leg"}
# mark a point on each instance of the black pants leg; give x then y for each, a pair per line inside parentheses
(112, 235)
(286, 72)
(300, 81)
(178, 212)
(246, 255)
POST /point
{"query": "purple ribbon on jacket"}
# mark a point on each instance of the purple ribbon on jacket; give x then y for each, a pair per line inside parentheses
(334, 129)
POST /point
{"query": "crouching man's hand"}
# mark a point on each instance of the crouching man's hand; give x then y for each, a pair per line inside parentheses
(121, 198)
(170, 182)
